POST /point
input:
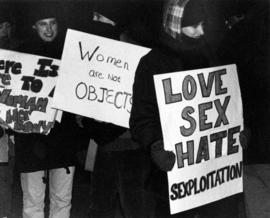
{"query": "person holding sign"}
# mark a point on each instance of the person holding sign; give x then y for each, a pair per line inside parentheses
(118, 172)
(183, 47)
(43, 159)
(6, 144)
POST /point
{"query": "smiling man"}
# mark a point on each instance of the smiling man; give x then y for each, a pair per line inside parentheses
(47, 29)
(47, 160)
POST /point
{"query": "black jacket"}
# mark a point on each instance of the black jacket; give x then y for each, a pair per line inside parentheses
(249, 49)
(144, 120)
(36, 152)
(103, 133)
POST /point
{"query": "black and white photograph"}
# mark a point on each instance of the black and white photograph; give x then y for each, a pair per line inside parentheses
(134, 109)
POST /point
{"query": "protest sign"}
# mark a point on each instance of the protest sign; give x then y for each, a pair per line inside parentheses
(201, 118)
(96, 77)
(27, 84)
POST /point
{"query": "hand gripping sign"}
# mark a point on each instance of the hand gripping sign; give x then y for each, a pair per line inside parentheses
(201, 118)
(27, 84)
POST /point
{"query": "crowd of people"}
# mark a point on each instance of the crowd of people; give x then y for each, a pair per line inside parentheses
(131, 164)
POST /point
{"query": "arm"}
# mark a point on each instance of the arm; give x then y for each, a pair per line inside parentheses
(144, 120)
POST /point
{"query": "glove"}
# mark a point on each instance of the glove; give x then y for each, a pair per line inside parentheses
(245, 137)
(163, 159)
(79, 120)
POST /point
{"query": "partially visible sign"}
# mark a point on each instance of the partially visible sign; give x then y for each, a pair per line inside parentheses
(201, 118)
(27, 84)
(96, 77)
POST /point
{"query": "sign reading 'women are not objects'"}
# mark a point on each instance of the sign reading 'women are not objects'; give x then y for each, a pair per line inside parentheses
(98, 74)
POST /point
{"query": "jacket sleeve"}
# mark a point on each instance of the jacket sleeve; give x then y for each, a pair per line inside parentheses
(144, 120)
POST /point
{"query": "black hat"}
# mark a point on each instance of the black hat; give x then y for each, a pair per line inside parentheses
(42, 10)
(194, 13)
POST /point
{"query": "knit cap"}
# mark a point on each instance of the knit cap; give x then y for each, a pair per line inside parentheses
(43, 10)
(182, 13)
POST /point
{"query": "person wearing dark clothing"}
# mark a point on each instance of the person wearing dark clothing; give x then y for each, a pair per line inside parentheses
(118, 175)
(247, 44)
(7, 41)
(47, 158)
(184, 46)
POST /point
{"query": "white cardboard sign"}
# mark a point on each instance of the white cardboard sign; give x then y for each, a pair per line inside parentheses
(27, 83)
(201, 118)
(98, 74)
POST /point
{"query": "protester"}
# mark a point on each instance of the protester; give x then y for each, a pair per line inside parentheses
(43, 159)
(246, 45)
(251, 56)
(118, 175)
(184, 46)
(7, 41)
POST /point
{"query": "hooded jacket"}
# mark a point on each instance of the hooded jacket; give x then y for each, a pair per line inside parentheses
(171, 56)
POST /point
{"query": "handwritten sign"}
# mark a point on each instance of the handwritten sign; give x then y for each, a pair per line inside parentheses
(27, 84)
(201, 117)
(98, 74)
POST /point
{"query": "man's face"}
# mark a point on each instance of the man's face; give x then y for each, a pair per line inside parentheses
(5, 30)
(47, 29)
(195, 31)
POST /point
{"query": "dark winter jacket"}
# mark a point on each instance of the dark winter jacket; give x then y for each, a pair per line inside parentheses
(144, 121)
(108, 136)
(247, 45)
(36, 152)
